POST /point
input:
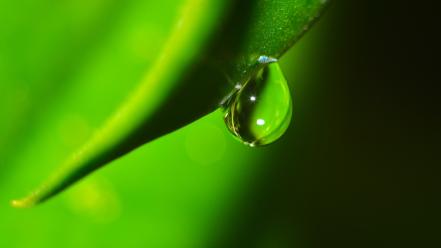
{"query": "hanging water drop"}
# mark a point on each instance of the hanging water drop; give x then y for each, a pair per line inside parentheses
(260, 112)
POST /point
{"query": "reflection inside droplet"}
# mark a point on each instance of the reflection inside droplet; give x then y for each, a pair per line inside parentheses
(260, 122)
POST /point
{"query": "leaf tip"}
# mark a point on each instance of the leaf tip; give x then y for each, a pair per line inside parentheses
(26, 202)
(21, 204)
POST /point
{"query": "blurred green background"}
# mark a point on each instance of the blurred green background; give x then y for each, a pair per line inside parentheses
(357, 168)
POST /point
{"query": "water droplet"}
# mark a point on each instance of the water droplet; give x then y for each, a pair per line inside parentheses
(260, 111)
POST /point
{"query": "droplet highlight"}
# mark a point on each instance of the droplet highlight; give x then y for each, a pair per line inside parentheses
(260, 111)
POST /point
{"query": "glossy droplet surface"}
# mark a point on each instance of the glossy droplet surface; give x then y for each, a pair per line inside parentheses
(260, 112)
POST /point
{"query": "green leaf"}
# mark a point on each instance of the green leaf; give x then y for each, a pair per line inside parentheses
(214, 45)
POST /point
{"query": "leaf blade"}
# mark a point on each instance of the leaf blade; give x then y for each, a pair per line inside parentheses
(142, 117)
